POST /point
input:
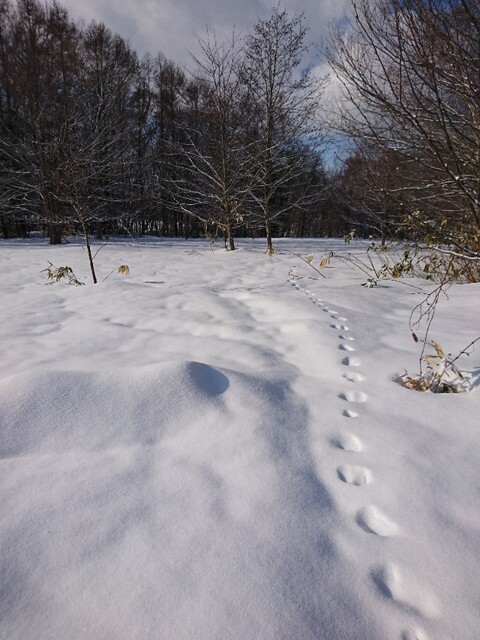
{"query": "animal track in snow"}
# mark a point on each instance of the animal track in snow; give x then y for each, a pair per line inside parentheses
(354, 396)
(346, 347)
(351, 362)
(342, 337)
(353, 474)
(340, 327)
(341, 319)
(353, 377)
(404, 592)
(349, 413)
(348, 442)
(373, 520)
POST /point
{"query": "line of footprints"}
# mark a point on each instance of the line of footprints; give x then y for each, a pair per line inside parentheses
(388, 579)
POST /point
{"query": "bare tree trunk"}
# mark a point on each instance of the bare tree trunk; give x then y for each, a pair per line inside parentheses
(229, 235)
(89, 252)
(268, 230)
(4, 228)
(55, 233)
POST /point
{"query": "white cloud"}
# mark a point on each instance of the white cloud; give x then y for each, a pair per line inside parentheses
(174, 26)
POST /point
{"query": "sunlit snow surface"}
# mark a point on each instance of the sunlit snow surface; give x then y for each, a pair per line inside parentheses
(215, 448)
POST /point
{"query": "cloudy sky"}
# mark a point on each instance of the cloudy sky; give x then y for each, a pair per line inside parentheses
(174, 26)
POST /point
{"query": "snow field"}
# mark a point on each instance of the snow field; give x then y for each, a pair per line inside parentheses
(215, 447)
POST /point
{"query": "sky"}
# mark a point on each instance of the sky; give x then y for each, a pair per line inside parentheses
(173, 27)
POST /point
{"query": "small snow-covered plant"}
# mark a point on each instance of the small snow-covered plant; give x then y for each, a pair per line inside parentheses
(438, 371)
(384, 262)
(325, 261)
(124, 269)
(379, 261)
(59, 273)
(309, 261)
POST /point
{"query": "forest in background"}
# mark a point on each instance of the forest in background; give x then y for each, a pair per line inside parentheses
(97, 141)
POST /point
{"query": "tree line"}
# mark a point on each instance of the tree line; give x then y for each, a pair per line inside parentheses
(97, 140)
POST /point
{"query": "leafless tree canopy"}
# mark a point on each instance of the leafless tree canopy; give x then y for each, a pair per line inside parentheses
(95, 140)
(410, 71)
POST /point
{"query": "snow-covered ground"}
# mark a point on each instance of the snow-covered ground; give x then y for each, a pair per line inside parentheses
(215, 448)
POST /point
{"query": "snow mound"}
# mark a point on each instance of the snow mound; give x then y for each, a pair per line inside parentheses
(56, 411)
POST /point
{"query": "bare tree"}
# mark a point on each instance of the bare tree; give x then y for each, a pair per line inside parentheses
(371, 185)
(411, 72)
(175, 102)
(96, 166)
(286, 101)
(38, 73)
(140, 154)
(91, 139)
(216, 182)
